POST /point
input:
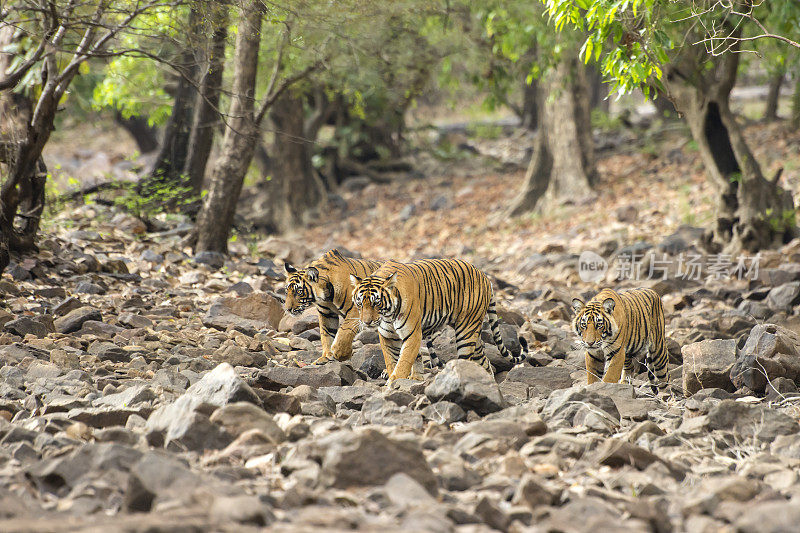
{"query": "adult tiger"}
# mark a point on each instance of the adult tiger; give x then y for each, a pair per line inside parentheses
(615, 327)
(326, 283)
(410, 300)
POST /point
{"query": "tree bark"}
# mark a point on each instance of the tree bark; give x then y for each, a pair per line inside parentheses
(598, 91)
(295, 193)
(143, 134)
(227, 176)
(206, 113)
(562, 166)
(752, 212)
(172, 156)
(796, 102)
(529, 114)
(773, 96)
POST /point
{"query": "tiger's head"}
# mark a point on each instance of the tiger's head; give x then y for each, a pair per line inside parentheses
(594, 322)
(373, 297)
(302, 288)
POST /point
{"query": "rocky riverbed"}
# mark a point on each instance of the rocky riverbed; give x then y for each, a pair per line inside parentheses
(144, 389)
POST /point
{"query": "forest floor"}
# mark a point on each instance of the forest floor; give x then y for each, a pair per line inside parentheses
(144, 389)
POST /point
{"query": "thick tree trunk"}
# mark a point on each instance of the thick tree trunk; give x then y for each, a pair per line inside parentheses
(171, 160)
(752, 212)
(206, 113)
(241, 133)
(773, 96)
(24, 131)
(562, 167)
(295, 193)
(138, 128)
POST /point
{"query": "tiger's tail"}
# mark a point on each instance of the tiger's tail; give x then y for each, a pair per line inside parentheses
(494, 323)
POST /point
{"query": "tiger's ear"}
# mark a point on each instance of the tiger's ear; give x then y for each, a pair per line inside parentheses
(313, 274)
(391, 281)
(608, 305)
(577, 304)
(289, 268)
(355, 280)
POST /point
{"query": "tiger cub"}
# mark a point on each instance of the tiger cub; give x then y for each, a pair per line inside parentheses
(410, 300)
(616, 327)
(326, 284)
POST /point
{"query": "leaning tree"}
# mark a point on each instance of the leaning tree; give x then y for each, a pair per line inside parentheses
(45, 46)
(691, 52)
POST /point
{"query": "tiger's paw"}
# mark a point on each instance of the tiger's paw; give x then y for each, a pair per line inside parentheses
(324, 359)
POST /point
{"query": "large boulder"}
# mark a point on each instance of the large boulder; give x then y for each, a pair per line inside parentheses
(750, 421)
(467, 384)
(367, 457)
(221, 386)
(332, 374)
(769, 353)
(543, 380)
(568, 404)
(707, 364)
(251, 313)
(74, 320)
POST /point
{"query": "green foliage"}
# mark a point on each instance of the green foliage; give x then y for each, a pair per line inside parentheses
(155, 197)
(781, 222)
(633, 39)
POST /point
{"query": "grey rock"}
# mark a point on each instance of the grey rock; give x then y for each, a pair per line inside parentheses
(132, 320)
(126, 398)
(769, 353)
(221, 386)
(331, 374)
(27, 326)
(750, 421)
(707, 364)
(62, 473)
(87, 287)
(237, 418)
(215, 260)
(154, 475)
(444, 412)
(784, 297)
(542, 380)
(565, 404)
(367, 457)
(170, 380)
(74, 320)
(184, 425)
(242, 509)
(248, 314)
(769, 517)
(468, 385)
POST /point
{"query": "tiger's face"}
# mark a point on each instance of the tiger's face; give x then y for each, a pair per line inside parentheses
(373, 298)
(594, 322)
(300, 293)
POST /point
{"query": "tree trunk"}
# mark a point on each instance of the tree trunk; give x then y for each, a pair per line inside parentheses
(773, 95)
(138, 128)
(562, 166)
(752, 212)
(171, 161)
(796, 102)
(241, 133)
(295, 193)
(206, 113)
(598, 91)
(529, 117)
(24, 130)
